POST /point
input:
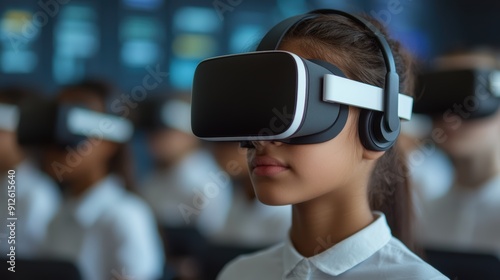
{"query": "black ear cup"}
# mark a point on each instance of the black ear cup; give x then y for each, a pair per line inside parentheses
(372, 133)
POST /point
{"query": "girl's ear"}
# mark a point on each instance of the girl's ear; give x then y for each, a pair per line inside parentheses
(372, 155)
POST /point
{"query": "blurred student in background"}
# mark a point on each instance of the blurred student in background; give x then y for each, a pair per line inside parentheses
(467, 217)
(183, 183)
(103, 227)
(37, 197)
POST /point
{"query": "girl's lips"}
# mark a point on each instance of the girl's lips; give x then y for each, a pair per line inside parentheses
(267, 166)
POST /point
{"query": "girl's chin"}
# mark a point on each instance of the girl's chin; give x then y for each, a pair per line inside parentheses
(273, 198)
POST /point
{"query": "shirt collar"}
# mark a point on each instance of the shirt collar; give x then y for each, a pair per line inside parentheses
(88, 208)
(345, 254)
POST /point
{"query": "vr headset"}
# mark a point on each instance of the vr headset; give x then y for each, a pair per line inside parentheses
(43, 123)
(277, 95)
(474, 91)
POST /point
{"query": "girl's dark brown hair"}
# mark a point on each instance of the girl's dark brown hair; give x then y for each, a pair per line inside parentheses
(121, 163)
(354, 49)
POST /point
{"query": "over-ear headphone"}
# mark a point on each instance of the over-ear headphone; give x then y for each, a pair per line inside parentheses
(378, 131)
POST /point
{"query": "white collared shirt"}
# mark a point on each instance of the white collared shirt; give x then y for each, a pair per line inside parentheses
(371, 253)
(109, 233)
(464, 219)
(37, 199)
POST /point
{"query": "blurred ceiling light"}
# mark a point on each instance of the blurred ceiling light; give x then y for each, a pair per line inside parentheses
(194, 46)
(196, 19)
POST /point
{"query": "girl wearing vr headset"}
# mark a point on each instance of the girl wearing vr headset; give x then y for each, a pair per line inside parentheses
(346, 198)
(103, 227)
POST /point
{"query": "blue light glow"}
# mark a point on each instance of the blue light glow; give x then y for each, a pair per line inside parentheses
(195, 19)
(182, 73)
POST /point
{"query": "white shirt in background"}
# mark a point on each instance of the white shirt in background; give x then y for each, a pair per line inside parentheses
(180, 196)
(372, 253)
(464, 219)
(431, 177)
(252, 224)
(109, 233)
(37, 199)
(431, 174)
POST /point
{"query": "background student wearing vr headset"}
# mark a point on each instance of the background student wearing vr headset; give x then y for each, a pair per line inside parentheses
(104, 228)
(466, 218)
(37, 196)
(342, 190)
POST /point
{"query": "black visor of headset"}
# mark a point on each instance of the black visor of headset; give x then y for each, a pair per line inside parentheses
(277, 95)
(469, 93)
(274, 95)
